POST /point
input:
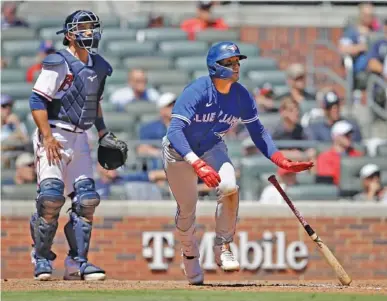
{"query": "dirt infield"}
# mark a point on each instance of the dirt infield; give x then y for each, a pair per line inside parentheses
(362, 287)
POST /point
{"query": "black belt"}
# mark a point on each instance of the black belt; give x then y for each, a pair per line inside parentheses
(67, 130)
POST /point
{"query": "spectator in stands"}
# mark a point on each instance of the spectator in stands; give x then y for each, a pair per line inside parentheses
(297, 82)
(289, 127)
(320, 130)
(45, 48)
(373, 189)
(106, 178)
(12, 129)
(8, 16)
(376, 57)
(4, 63)
(264, 97)
(328, 162)
(204, 20)
(25, 171)
(156, 20)
(156, 130)
(136, 90)
(354, 39)
(270, 195)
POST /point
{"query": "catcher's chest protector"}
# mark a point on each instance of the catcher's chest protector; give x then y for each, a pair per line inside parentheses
(79, 104)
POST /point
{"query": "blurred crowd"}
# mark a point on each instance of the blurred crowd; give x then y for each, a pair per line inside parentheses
(301, 114)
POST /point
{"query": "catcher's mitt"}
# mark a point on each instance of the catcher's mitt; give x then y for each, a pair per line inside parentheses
(112, 153)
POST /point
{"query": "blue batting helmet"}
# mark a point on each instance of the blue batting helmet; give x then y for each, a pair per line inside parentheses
(221, 51)
(79, 23)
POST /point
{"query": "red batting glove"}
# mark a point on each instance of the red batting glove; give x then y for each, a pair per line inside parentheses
(206, 173)
(279, 159)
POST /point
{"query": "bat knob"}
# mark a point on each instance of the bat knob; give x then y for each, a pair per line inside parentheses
(271, 179)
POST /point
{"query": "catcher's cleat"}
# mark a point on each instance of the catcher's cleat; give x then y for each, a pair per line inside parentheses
(82, 271)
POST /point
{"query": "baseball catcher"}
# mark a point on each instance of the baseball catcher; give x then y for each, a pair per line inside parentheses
(65, 103)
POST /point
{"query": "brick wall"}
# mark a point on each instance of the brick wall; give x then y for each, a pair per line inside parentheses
(359, 243)
(292, 45)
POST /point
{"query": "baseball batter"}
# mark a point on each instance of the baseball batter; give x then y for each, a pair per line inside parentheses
(194, 147)
(65, 103)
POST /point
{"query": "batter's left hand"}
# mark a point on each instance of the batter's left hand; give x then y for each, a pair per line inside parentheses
(284, 163)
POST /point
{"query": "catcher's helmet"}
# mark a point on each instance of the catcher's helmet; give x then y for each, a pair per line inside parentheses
(221, 51)
(72, 25)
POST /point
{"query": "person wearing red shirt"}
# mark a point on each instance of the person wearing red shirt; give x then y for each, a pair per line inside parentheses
(328, 162)
(203, 20)
(45, 48)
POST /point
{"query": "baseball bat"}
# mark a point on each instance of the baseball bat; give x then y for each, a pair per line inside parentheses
(341, 274)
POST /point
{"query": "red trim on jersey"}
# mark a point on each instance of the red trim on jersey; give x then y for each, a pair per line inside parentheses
(42, 94)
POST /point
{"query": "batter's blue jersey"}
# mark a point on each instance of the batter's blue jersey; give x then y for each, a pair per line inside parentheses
(209, 114)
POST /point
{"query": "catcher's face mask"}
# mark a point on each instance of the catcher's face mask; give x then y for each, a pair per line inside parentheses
(86, 27)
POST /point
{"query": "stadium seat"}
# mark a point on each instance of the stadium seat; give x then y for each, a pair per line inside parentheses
(307, 105)
(259, 64)
(107, 106)
(109, 22)
(20, 90)
(148, 117)
(130, 48)
(167, 77)
(269, 120)
(116, 34)
(213, 35)
(38, 23)
(147, 63)
(199, 73)
(18, 192)
(249, 49)
(118, 77)
(7, 174)
(251, 169)
(381, 150)
(49, 33)
(117, 193)
(281, 90)
(26, 61)
(22, 108)
(183, 48)
(119, 122)
(13, 75)
(276, 78)
(350, 170)
(190, 64)
(177, 89)
(313, 192)
(137, 21)
(136, 109)
(17, 33)
(161, 34)
(248, 83)
(17, 48)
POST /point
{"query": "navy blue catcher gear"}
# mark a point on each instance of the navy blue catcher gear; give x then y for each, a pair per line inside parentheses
(221, 51)
(87, 29)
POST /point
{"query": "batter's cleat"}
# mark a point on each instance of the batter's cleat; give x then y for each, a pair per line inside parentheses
(82, 271)
(225, 258)
(192, 270)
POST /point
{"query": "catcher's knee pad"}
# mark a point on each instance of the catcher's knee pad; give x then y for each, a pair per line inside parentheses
(86, 199)
(50, 199)
(227, 187)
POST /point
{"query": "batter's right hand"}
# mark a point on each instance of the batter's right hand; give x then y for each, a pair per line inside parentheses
(52, 147)
(206, 173)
